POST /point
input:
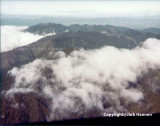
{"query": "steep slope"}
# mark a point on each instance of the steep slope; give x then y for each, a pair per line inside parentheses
(61, 41)
(87, 40)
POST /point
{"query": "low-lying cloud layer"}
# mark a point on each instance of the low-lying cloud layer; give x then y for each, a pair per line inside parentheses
(88, 81)
(14, 36)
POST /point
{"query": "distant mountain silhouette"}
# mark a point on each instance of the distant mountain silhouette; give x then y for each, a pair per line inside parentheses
(152, 30)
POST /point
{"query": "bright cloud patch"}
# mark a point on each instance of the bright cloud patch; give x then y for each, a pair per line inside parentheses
(14, 36)
(88, 80)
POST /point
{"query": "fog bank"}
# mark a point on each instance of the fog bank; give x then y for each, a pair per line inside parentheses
(88, 80)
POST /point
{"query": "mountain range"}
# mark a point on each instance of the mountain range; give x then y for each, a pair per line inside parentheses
(73, 36)
(68, 39)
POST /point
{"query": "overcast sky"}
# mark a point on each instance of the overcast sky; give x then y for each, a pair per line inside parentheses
(89, 8)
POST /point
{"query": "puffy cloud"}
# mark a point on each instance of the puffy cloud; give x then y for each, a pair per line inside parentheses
(88, 80)
(14, 36)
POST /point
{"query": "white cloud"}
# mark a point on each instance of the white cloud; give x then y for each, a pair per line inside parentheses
(88, 79)
(14, 36)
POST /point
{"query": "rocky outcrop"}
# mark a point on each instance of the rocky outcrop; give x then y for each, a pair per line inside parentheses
(24, 108)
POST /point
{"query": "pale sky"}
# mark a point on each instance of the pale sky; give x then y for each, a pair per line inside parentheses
(81, 8)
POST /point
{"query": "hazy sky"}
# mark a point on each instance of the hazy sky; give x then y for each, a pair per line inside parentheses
(90, 8)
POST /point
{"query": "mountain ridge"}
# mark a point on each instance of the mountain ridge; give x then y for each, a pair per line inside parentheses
(59, 28)
(81, 36)
(35, 108)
